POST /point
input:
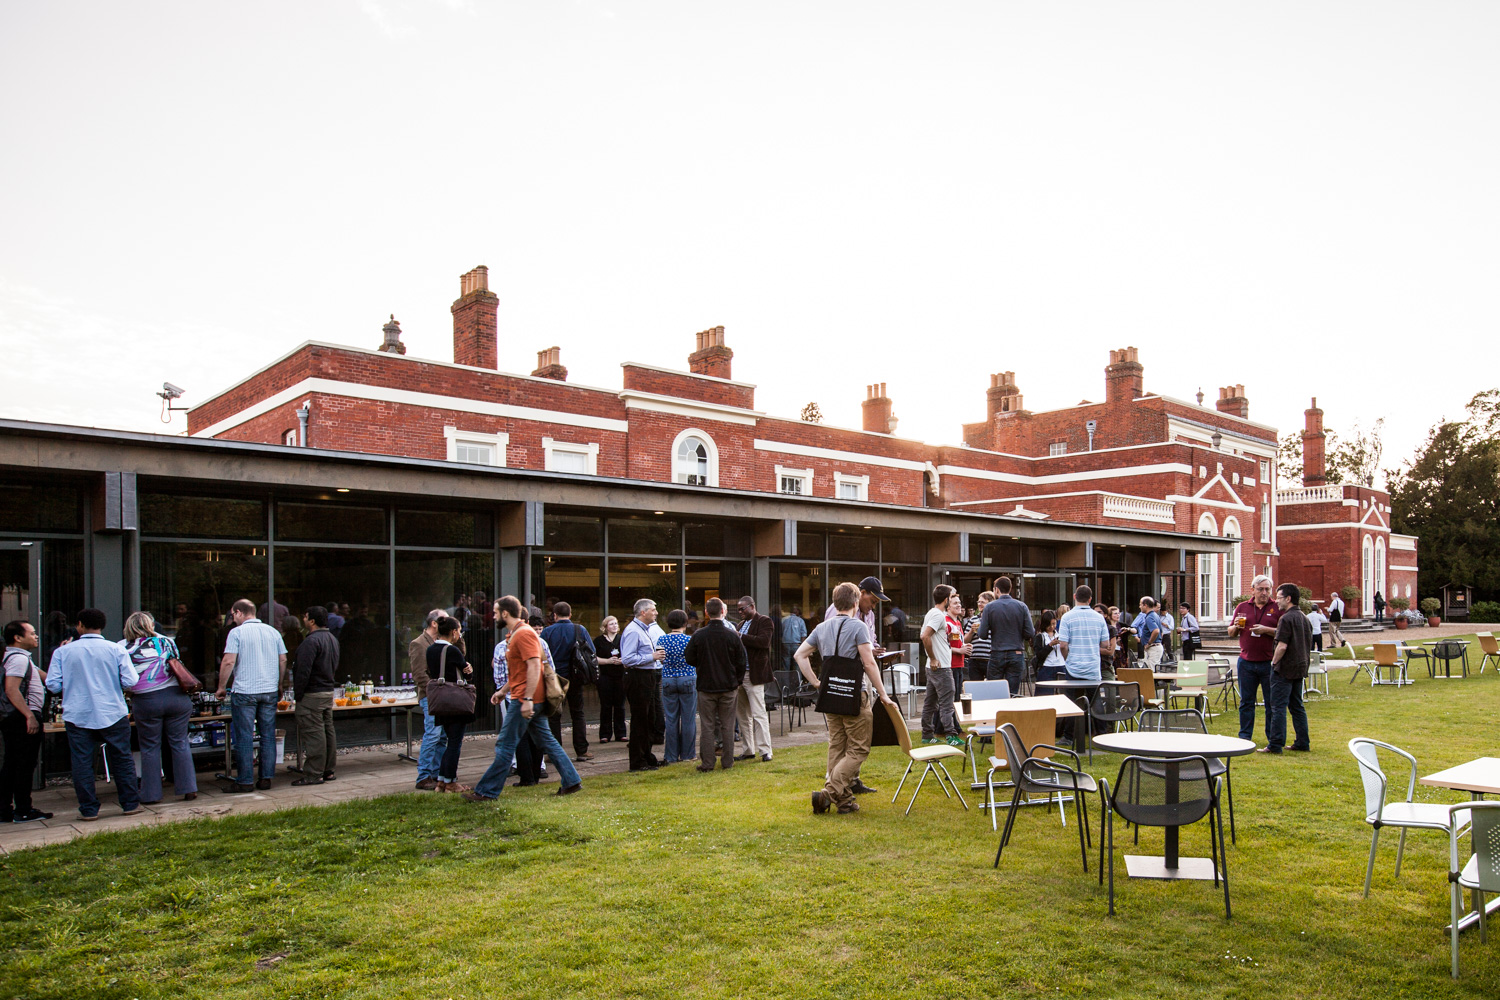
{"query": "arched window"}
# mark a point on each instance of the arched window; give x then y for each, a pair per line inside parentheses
(1231, 564)
(1379, 572)
(1367, 576)
(1207, 569)
(695, 459)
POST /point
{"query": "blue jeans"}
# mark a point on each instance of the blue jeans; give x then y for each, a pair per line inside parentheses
(116, 742)
(434, 742)
(512, 730)
(679, 702)
(258, 710)
(1285, 695)
(1007, 666)
(1254, 675)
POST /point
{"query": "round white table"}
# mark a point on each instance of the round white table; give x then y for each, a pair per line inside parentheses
(1169, 747)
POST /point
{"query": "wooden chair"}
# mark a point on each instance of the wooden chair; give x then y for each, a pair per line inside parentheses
(1036, 729)
(932, 756)
(1491, 651)
(1143, 677)
(1388, 657)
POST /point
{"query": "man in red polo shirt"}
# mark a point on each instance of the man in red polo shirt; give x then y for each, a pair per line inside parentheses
(1255, 624)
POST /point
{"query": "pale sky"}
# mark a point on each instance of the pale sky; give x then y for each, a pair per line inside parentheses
(1299, 197)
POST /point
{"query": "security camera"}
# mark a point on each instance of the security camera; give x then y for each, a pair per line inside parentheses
(170, 391)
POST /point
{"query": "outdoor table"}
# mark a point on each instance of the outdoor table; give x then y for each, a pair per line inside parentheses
(1070, 684)
(1447, 674)
(1164, 682)
(1477, 777)
(984, 715)
(1169, 746)
(406, 704)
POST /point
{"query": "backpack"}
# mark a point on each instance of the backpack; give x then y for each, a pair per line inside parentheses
(6, 708)
(585, 659)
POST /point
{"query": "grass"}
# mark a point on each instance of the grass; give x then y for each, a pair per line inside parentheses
(677, 884)
(1414, 636)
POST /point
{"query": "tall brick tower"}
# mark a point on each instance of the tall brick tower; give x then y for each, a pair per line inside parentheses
(1125, 378)
(476, 314)
(1314, 472)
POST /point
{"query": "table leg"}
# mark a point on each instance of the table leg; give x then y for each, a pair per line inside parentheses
(407, 755)
(1171, 832)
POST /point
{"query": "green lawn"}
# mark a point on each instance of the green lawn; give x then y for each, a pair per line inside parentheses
(725, 885)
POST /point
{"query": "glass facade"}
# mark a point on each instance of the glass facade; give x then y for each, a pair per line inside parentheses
(805, 585)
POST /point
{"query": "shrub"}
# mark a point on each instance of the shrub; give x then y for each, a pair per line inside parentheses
(1351, 595)
(1485, 611)
(1401, 604)
(1430, 606)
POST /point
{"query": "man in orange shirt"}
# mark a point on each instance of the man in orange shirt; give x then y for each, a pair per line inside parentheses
(523, 693)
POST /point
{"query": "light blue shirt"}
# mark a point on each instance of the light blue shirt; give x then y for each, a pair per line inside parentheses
(1083, 629)
(92, 673)
(638, 643)
(1146, 623)
(257, 649)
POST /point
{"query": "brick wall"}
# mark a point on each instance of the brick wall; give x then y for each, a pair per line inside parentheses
(682, 385)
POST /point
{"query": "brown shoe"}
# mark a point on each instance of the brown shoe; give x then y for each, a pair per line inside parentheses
(848, 807)
(820, 801)
(472, 796)
(427, 784)
(264, 784)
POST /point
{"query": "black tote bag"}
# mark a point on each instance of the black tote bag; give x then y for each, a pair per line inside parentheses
(840, 681)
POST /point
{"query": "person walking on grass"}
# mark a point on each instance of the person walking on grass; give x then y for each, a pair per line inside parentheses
(1335, 619)
(719, 661)
(20, 723)
(312, 687)
(160, 709)
(939, 723)
(845, 637)
(91, 673)
(679, 691)
(756, 632)
(523, 660)
(255, 660)
(1289, 665)
(1254, 624)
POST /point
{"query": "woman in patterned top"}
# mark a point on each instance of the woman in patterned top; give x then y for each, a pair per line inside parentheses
(161, 710)
(679, 692)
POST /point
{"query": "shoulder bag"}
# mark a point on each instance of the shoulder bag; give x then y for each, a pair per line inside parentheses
(554, 689)
(839, 681)
(445, 697)
(185, 678)
(585, 658)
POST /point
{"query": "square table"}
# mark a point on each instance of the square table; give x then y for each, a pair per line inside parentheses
(1478, 777)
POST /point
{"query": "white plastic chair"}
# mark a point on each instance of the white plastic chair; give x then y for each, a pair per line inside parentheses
(1482, 873)
(1407, 815)
(1315, 670)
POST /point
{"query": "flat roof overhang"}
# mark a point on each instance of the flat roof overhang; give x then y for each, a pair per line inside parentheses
(209, 462)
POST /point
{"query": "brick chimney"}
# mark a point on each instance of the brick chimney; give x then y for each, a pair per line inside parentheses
(711, 357)
(475, 321)
(1002, 396)
(877, 410)
(549, 364)
(1232, 401)
(1125, 378)
(392, 331)
(1313, 471)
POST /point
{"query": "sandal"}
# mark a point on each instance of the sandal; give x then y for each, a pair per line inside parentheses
(308, 781)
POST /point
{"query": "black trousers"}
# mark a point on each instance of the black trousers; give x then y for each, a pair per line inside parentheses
(1188, 648)
(611, 703)
(21, 749)
(575, 718)
(643, 691)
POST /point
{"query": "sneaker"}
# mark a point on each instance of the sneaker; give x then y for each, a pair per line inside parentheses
(235, 788)
(1275, 750)
(820, 801)
(89, 819)
(928, 740)
(264, 784)
(570, 789)
(583, 757)
(31, 816)
(745, 756)
(860, 788)
(328, 776)
(427, 784)
(954, 741)
(473, 796)
(766, 757)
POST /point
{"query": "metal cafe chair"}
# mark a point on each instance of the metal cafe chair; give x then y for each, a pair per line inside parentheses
(1113, 702)
(1034, 775)
(1406, 814)
(1482, 872)
(1187, 720)
(1447, 653)
(1036, 729)
(796, 696)
(1146, 795)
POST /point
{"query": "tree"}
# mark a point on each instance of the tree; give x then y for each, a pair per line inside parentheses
(1351, 459)
(1448, 495)
(812, 413)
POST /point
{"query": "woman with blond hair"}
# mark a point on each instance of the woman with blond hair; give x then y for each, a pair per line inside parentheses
(160, 708)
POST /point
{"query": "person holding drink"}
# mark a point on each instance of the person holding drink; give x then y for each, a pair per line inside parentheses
(1255, 624)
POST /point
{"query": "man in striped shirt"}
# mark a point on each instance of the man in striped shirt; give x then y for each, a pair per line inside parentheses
(1084, 635)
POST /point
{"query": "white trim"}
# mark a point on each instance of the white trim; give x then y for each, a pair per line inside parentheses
(636, 400)
(1379, 521)
(807, 451)
(861, 483)
(387, 394)
(1403, 543)
(674, 371)
(590, 451)
(1352, 526)
(1219, 478)
(1401, 569)
(806, 475)
(483, 439)
(708, 446)
(1072, 477)
(1177, 498)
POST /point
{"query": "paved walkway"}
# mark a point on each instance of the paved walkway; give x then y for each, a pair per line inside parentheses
(362, 774)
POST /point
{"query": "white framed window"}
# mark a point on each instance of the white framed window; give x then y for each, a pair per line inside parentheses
(571, 456)
(1231, 563)
(796, 482)
(695, 459)
(1379, 570)
(1265, 521)
(1367, 576)
(847, 487)
(475, 447)
(1207, 570)
(1265, 470)
(1057, 448)
(290, 438)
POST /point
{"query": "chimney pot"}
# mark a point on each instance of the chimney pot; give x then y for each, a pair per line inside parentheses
(1232, 401)
(475, 321)
(1125, 378)
(711, 356)
(876, 410)
(549, 364)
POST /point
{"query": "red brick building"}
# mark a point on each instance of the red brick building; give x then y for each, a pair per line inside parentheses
(1136, 460)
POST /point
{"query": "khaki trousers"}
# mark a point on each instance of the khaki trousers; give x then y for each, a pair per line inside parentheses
(716, 723)
(848, 746)
(755, 724)
(320, 747)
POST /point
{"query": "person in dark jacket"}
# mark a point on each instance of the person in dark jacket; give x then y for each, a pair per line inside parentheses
(757, 631)
(312, 685)
(717, 652)
(446, 660)
(562, 638)
(1006, 623)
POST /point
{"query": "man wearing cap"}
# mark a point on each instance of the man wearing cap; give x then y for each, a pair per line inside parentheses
(871, 593)
(1006, 622)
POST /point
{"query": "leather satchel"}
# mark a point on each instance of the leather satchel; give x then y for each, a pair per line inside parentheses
(555, 689)
(185, 678)
(445, 697)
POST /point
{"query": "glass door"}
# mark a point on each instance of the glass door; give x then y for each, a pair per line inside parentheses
(42, 582)
(20, 569)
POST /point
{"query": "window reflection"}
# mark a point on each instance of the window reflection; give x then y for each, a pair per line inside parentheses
(356, 581)
(188, 588)
(574, 579)
(632, 579)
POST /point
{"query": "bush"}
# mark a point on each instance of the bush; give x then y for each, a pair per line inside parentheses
(1487, 612)
(1401, 604)
(1430, 606)
(1351, 595)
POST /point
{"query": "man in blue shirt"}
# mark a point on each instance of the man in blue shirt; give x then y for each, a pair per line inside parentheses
(1148, 630)
(255, 657)
(561, 638)
(1085, 637)
(92, 674)
(642, 659)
